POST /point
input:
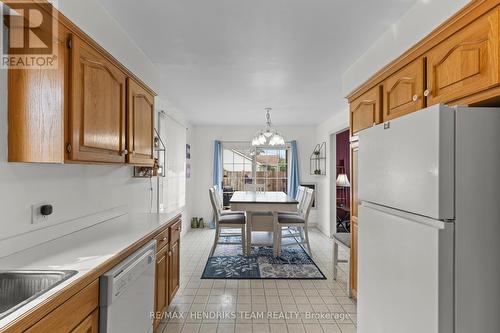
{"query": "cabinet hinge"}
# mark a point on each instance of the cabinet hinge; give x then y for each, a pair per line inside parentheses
(68, 147)
(70, 43)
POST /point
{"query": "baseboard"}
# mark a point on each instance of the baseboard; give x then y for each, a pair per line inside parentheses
(30, 239)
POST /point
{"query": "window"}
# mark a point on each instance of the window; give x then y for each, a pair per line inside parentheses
(243, 164)
(271, 169)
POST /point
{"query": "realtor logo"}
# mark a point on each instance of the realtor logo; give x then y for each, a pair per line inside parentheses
(29, 33)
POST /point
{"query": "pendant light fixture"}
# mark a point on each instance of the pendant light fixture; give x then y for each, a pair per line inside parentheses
(270, 136)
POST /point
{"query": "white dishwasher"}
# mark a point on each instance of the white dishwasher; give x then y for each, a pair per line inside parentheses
(127, 294)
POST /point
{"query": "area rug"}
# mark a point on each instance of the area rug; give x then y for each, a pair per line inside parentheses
(227, 262)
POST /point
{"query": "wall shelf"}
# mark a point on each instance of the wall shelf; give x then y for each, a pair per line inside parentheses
(317, 161)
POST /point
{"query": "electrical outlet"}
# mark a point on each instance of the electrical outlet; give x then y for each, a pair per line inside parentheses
(36, 215)
(162, 207)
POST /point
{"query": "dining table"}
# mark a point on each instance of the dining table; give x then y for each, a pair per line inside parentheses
(253, 202)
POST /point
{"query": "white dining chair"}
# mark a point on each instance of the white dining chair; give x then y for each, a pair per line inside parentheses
(218, 201)
(228, 221)
(299, 221)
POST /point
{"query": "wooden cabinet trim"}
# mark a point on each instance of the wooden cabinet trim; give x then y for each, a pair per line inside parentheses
(468, 14)
(43, 309)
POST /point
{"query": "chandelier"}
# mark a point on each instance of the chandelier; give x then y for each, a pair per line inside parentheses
(270, 136)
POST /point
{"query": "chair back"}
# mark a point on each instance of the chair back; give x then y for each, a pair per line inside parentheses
(215, 206)
(217, 196)
(308, 201)
(300, 197)
(254, 187)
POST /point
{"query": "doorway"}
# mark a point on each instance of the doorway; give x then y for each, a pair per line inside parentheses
(340, 185)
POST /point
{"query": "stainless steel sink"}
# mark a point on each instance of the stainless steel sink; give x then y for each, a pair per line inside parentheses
(20, 287)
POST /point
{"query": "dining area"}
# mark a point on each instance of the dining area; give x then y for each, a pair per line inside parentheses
(263, 234)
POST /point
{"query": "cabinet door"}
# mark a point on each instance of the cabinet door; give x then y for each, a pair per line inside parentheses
(353, 275)
(161, 281)
(403, 91)
(96, 130)
(174, 270)
(366, 110)
(36, 110)
(465, 63)
(140, 125)
(89, 324)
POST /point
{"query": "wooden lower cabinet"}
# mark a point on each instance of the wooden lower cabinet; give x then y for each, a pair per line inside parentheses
(174, 263)
(167, 276)
(162, 278)
(77, 314)
(89, 324)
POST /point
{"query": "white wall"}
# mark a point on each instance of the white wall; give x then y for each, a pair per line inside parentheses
(94, 19)
(335, 124)
(203, 152)
(419, 21)
(74, 190)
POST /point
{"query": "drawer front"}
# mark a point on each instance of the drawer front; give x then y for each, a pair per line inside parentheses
(175, 232)
(71, 313)
(466, 63)
(366, 110)
(162, 239)
(404, 91)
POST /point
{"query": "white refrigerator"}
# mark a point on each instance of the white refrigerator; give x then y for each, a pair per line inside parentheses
(429, 223)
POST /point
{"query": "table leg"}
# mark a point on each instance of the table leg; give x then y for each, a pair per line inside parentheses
(247, 247)
(275, 234)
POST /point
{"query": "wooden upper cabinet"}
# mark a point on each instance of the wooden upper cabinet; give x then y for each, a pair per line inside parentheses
(97, 111)
(140, 125)
(365, 110)
(36, 110)
(404, 91)
(466, 63)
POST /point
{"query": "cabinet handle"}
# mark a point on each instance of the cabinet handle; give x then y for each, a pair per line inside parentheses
(164, 238)
(415, 98)
(124, 152)
(427, 92)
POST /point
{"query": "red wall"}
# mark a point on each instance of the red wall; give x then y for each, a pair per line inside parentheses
(343, 151)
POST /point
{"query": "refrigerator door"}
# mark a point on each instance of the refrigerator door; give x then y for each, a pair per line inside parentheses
(405, 274)
(408, 163)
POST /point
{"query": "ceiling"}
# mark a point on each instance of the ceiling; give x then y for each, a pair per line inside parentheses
(222, 61)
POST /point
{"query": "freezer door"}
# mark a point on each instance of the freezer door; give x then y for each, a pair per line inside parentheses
(405, 274)
(408, 163)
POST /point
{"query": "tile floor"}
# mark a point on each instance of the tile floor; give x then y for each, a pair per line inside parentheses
(258, 306)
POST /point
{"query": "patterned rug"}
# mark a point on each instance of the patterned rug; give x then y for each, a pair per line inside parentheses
(228, 263)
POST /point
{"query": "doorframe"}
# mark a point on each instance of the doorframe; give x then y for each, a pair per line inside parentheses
(333, 179)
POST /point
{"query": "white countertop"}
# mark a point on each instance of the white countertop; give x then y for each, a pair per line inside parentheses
(82, 251)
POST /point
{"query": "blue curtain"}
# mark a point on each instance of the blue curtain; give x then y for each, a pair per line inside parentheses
(217, 172)
(217, 175)
(293, 180)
